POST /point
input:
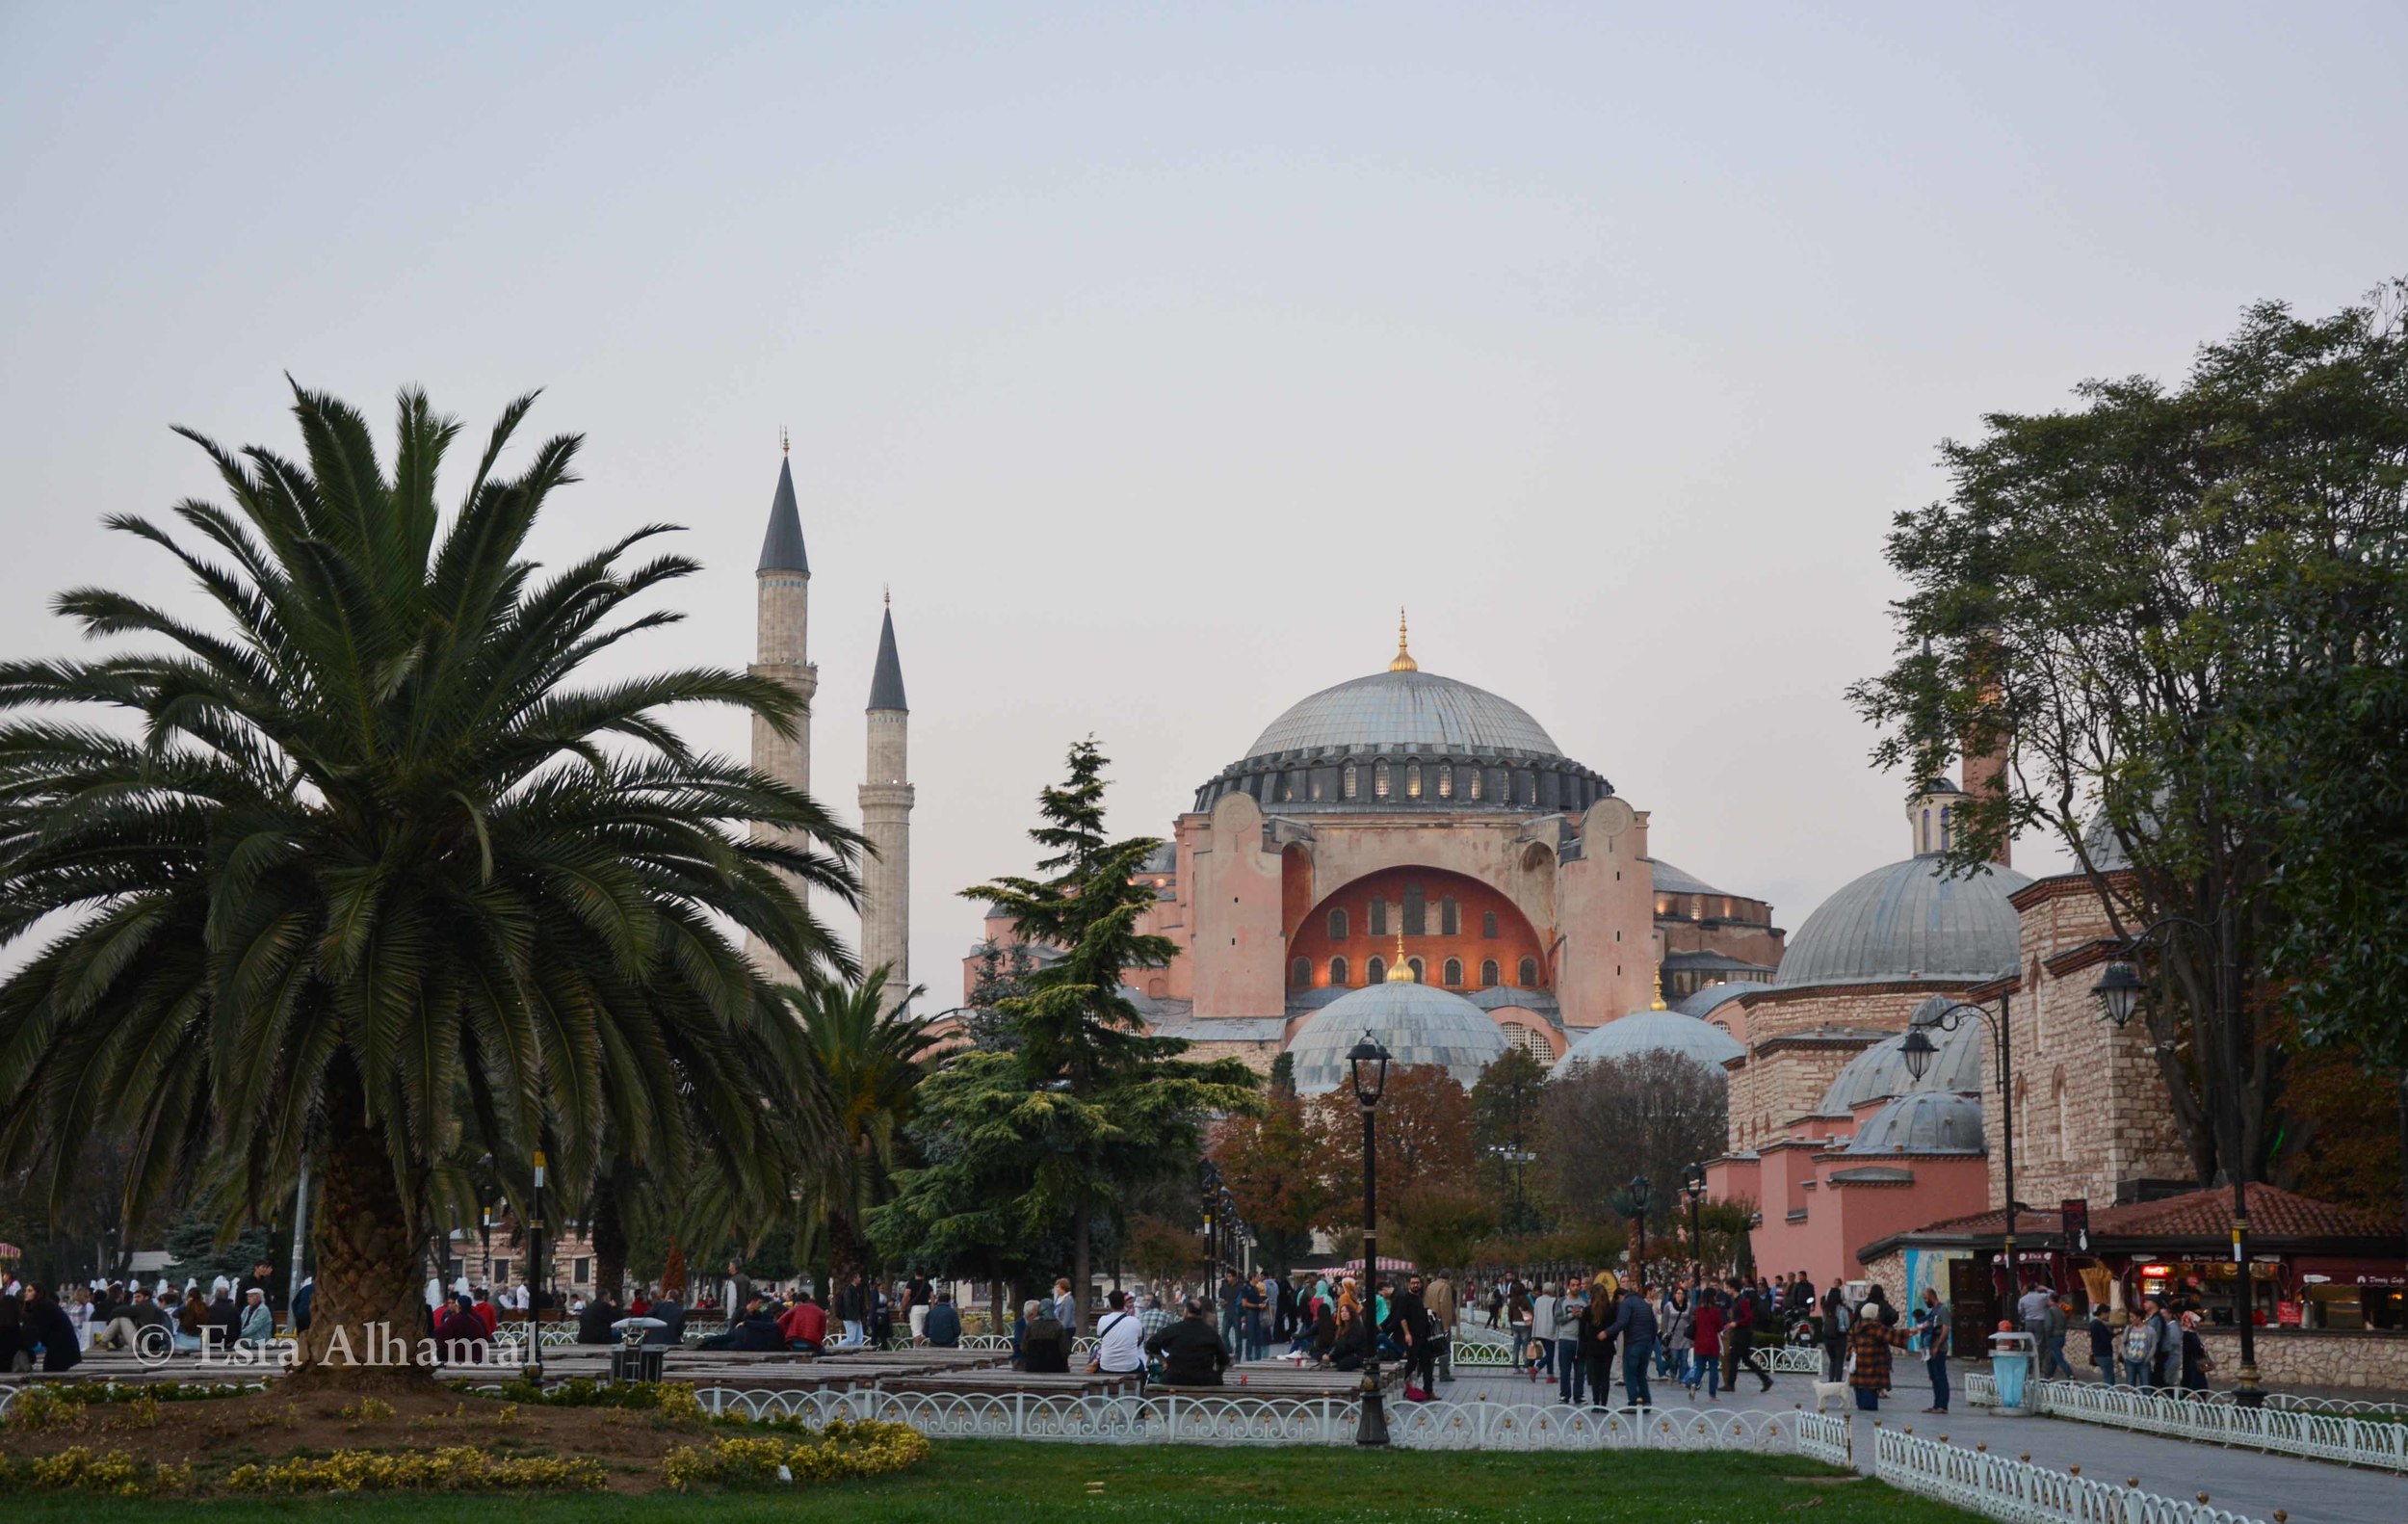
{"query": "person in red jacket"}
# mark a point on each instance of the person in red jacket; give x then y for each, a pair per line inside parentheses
(805, 1325)
(1706, 1346)
(484, 1309)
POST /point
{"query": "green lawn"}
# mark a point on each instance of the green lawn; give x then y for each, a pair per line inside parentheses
(971, 1481)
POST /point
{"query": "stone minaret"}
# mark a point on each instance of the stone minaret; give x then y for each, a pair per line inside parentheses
(781, 653)
(886, 797)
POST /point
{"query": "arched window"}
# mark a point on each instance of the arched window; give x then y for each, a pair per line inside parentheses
(1925, 845)
(1413, 780)
(1446, 782)
(1300, 973)
(1337, 972)
(1454, 972)
(1944, 828)
(1345, 783)
(1530, 788)
(1474, 781)
(1375, 970)
(1338, 927)
(1488, 925)
(1526, 976)
(1450, 921)
(1415, 965)
(1380, 781)
(1487, 973)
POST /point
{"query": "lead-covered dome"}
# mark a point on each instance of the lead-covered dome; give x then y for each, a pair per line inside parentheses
(1928, 1123)
(1651, 1031)
(1391, 710)
(1908, 922)
(1414, 1022)
(1881, 1074)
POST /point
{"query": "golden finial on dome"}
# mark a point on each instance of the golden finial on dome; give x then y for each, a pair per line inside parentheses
(1400, 972)
(1404, 662)
(1659, 1005)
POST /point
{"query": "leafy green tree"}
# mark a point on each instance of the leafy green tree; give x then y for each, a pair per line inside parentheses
(1083, 1101)
(2118, 593)
(380, 871)
(1505, 1128)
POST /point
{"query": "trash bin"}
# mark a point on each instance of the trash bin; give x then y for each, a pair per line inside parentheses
(2011, 1356)
(642, 1363)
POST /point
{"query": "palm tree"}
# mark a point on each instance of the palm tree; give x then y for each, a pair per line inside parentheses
(867, 1060)
(379, 869)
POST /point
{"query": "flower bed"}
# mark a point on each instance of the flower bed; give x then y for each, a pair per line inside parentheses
(837, 1452)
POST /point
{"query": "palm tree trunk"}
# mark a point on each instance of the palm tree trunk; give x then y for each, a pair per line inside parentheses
(610, 1236)
(370, 1316)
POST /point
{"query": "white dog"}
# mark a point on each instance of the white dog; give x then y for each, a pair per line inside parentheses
(1838, 1391)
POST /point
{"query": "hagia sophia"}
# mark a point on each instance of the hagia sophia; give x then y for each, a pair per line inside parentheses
(1414, 856)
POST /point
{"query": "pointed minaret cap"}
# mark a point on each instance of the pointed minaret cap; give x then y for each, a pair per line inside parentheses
(1404, 662)
(886, 689)
(782, 548)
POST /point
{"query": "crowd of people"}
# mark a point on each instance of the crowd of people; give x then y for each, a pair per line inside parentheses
(52, 1327)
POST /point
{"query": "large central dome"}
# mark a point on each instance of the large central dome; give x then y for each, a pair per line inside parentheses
(1398, 709)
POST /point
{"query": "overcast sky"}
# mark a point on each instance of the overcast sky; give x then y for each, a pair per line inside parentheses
(1154, 357)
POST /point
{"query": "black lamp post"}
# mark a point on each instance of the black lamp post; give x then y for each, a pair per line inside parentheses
(1642, 1197)
(2119, 991)
(537, 1259)
(1369, 1062)
(1693, 1186)
(1919, 1049)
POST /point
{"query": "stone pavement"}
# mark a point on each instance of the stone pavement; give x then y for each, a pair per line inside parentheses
(2242, 1480)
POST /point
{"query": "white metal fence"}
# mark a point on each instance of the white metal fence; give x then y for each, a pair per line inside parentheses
(2326, 1433)
(2019, 1492)
(1227, 1420)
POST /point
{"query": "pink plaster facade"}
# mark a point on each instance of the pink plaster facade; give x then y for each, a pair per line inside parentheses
(1818, 1205)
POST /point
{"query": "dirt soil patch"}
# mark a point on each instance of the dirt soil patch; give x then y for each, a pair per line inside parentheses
(214, 1435)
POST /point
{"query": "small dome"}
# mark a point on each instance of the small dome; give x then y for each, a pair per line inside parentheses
(1922, 1124)
(1651, 1031)
(1905, 923)
(1880, 1072)
(1395, 709)
(1414, 1022)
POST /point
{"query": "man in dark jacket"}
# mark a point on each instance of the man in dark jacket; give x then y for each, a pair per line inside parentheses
(227, 1318)
(593, 1324)
(48, 1325)
(1409, 1326)
(1191, 1353)
(1044, 1344)
(1738, 1337)
(673, 1331)
(1634, 1325)
(260, 1280)
(944, 1325)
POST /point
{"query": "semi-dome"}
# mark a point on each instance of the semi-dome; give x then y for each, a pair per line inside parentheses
(1928, 1123)
(1651, 1031)
(1908, 922)
(1414, 1022)
(1881, 1074)
(1391, 710)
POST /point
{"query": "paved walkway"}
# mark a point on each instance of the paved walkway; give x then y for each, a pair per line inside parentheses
(2242, 1480)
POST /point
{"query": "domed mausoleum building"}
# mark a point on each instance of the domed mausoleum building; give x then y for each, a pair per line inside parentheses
(1415, 1023)
(1644, 1032)
(1407, 819)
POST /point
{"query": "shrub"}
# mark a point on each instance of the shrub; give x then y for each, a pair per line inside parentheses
(112, 1473)
(41, 1408)
(455, 1468)
(839, 1451)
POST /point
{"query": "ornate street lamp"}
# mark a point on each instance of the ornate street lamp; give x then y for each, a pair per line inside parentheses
(1370, 1064)
(1693, 1186)
(1918, 1050)
(2119, 989)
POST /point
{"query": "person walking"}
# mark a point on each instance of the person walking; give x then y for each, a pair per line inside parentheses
(1679, 1335)
(1232, 1310)
(1562, 1337)
(1255, 1305)
(2102, 1343)
(1519, 1310)
(1835, 1324)
(1496, 1302)
(1635, 1326)
(1932, 1331)
(1739, 1336)
(1439, 1298)
(1410, 1317)
(852, 1310)
(1706, 1346)
(2194, 1352)
(919, 1295)
(1869, 1346)
(2138, 1348)
(2053, 1323)
(1539, 1356)
(1597, 1325)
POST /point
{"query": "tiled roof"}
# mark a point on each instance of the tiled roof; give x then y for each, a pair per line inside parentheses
(2273, 1213)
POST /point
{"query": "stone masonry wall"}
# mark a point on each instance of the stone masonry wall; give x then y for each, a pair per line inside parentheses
(2366, 1361)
